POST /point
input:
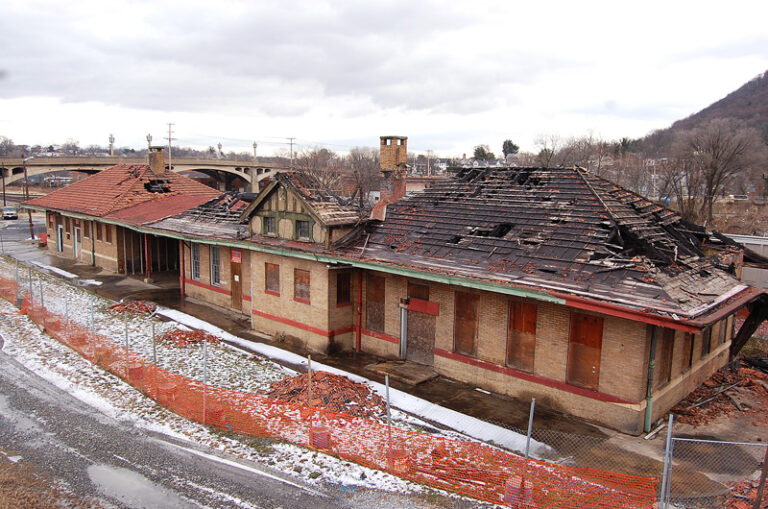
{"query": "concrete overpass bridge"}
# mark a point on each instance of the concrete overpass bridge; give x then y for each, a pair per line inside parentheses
(224, 170)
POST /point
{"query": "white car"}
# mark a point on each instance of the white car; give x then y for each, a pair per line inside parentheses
(10, 213)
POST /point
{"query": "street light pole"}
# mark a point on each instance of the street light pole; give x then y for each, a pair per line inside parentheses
(26, 193)
(2, 169)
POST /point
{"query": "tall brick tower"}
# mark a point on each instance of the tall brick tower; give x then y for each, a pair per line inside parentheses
(393, 157)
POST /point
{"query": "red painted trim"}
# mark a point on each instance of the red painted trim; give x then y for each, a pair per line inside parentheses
(608, 309)
(272, 292)
(380, 335)
(303, 301)
(343, 305)
(424, 306)
(209, 287)
(247, 298)
(556, 384)
(303, 326)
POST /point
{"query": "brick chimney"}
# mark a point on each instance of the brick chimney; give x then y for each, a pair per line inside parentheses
(393, 159)
(157, 160)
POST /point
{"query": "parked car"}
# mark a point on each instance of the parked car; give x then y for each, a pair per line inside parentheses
(10, 213)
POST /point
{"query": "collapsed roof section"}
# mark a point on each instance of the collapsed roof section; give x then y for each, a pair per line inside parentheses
(558, 230)
(330, 208)
(216, 218)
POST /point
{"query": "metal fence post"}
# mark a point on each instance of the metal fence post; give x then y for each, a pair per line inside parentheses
(154, 346)
(530, 427)
(667, 465)
(125, 327)
(205, 375)
(389, 415)
(30, 284)
(66, 311)
(93, 322)
(761, 486)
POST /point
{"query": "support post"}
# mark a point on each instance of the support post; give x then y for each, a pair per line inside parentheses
(309, 371)
(154, 346)
(205, 377)
(649, 383)
(761, 486)
(359, 331)
(667, 465)
(125, 327)
(530, 427)
(182, 275)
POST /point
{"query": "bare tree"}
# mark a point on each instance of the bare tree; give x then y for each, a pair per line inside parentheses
(364, 163)
(323, 164)
(549, 147)
(718, 152)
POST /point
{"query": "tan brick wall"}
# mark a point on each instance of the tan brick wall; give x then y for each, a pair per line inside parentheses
(315, 314)
(624, 358)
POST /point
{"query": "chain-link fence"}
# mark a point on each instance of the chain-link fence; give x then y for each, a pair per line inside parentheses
(710, 473)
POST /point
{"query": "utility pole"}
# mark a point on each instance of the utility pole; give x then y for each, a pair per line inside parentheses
(26, 192)
(170, 143)
(290, 140)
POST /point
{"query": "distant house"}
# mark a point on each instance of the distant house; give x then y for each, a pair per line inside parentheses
(530, 282)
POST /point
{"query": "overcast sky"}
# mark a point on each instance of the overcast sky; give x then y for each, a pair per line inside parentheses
(449, 75)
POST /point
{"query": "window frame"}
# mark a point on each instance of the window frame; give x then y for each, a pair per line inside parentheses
(471, 300)
(194, 261)
(269, 268)
(518, 336)
(269, 221)
(343, 288)
(108, 233)
(215, 265)
(299, 295)
(298, 226)
(99, 233)
(379, 321)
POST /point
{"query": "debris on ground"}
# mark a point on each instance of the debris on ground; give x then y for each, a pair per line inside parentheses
(331, 392)
(743, 495)
(734, 388)
(184, 338)
(137, 307)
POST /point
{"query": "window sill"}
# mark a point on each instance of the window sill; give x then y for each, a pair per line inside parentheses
(303, 301)
(343, 304)
(270, 292)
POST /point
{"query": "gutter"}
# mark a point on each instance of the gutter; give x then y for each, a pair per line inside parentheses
(556, 297)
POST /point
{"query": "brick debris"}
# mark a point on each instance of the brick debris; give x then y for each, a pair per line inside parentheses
(331, 392)
(139, 307)
(184, 338)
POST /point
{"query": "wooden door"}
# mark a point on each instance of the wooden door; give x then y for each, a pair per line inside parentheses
(584, 350)
(420, 337)
(236, 266)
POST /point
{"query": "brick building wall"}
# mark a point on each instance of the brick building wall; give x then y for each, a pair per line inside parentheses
(219, 294)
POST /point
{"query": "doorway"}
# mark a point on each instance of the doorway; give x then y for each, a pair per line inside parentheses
(60, 238)
(584, 349)
(420, 336)
(236, 268)
(76, 240)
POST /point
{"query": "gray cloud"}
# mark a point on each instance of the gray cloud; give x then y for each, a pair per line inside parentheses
(277, 59)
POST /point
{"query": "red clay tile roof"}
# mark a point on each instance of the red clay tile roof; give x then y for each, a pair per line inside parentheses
(120, 187)
(163, 206)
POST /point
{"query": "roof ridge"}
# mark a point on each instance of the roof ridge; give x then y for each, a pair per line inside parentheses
(119, 197)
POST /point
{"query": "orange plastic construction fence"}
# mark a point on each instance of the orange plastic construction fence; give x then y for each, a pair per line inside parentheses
(462, 467)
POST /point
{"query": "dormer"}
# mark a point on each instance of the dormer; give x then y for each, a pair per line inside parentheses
(296, 207)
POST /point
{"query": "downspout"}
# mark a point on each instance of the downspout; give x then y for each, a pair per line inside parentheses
(359, 337)
(182, 274)
(651, 367)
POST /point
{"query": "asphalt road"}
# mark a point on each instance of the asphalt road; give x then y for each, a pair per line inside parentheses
(125, 466)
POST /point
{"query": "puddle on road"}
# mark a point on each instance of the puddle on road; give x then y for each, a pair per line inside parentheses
(134, 490)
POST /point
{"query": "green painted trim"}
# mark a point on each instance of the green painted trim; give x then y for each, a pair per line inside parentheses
(416, 274)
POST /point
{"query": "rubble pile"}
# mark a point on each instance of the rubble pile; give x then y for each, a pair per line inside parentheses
(331, 392)
(743, 495)
(137, 307)
(732, 389)
(184, 338)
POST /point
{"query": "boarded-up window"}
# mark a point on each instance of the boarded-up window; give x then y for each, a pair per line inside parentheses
(418, 291)
(68, 224)
(272, 278)
(465, 323)
(108, 233)
(374, 303)
(584, 350)
(50, 220)
(721, 337)
(98, 232)
(706, 341)
(343, 288)
(301, 285)
(521, 335)
(687, 357)
(664, 346)
(86, 229)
